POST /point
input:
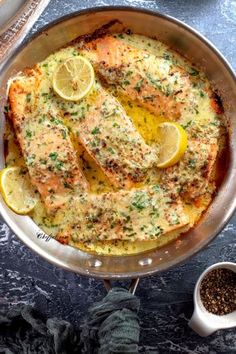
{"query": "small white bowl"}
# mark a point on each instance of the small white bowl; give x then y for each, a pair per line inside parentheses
(203, 322)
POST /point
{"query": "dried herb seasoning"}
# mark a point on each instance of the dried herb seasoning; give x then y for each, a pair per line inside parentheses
(218, 291)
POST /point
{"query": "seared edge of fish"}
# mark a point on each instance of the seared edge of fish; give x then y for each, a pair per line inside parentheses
(45, 143)
(140, 215)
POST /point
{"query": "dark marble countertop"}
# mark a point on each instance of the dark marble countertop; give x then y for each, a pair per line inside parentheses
(166, 300)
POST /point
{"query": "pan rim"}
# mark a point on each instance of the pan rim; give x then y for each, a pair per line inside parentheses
(141, 272)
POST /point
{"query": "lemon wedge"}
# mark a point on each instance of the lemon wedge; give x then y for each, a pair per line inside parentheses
(17, 191)
(73, 79)
(172, 139)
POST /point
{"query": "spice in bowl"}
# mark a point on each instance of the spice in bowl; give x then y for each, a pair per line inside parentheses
(218, 291)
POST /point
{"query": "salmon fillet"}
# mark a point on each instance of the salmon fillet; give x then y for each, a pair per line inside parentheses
(153, 82)
(45, 143)
(191, 176)
(135, 215)
(112, 140)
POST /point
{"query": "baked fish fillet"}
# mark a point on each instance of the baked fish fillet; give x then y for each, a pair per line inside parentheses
(45, 143)
(192, 175)
(155, 83)
(111, 139)
(135, 215)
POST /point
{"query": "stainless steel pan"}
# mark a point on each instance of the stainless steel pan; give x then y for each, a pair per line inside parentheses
(190, 44)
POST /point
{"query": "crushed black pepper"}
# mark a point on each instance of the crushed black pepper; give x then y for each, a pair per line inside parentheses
(218, 291)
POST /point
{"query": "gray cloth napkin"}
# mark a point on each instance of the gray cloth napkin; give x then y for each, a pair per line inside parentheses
(111, 326)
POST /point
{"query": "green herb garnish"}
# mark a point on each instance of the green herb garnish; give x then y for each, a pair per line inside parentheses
(53, 156)
(140, 200)
(28, 134)
(193, 72)
(28, 97)
(138, 85)
(96, 130)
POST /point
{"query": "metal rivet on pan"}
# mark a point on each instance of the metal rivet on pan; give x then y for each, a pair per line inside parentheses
(145, 261)
(95, 263)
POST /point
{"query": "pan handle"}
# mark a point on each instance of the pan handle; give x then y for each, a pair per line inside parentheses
(132, 287)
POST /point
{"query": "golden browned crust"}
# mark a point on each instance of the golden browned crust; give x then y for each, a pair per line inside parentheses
(140, 75)
(45, 145)
(191, 176)
(135, 215)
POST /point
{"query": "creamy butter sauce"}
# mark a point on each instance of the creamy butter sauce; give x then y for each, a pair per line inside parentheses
(198, 119)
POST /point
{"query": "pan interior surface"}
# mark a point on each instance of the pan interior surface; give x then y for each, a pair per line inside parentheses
(189, 44)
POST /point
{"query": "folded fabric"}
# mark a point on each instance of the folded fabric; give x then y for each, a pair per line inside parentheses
(113, 324)
(23, 330)
(110, 327)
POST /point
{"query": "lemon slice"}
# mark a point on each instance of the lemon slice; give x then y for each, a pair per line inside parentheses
(17, 191)
(73, 79)
(173, 143)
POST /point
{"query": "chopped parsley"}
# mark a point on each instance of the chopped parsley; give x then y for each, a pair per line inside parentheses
(93, 143)
(168, 91)
(196, 110)
(6, 108)
(175, 220)
(156, 188)
(43, 161)
(28, 97)
(126, 216)
(67, 185)
(126, 82)
(216, 123)
(166, 56)
(201, 93)
(179, 189)
(138, 85)
(95, 131)
(46, 96)
(192, 163)
(53, 156)
(30, 160)
(185, 126)
(42, 119)
(59, 165)
(111, 150)
(28, 133)
(82, 112)
(129, 72)
(140, 200)
(64, 133)
(193, 72)
(155, 83)
(56, 121)
(154, 231)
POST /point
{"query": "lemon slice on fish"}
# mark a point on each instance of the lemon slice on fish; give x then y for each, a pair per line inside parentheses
(74, 78)
(17, 190)
(172, 140)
